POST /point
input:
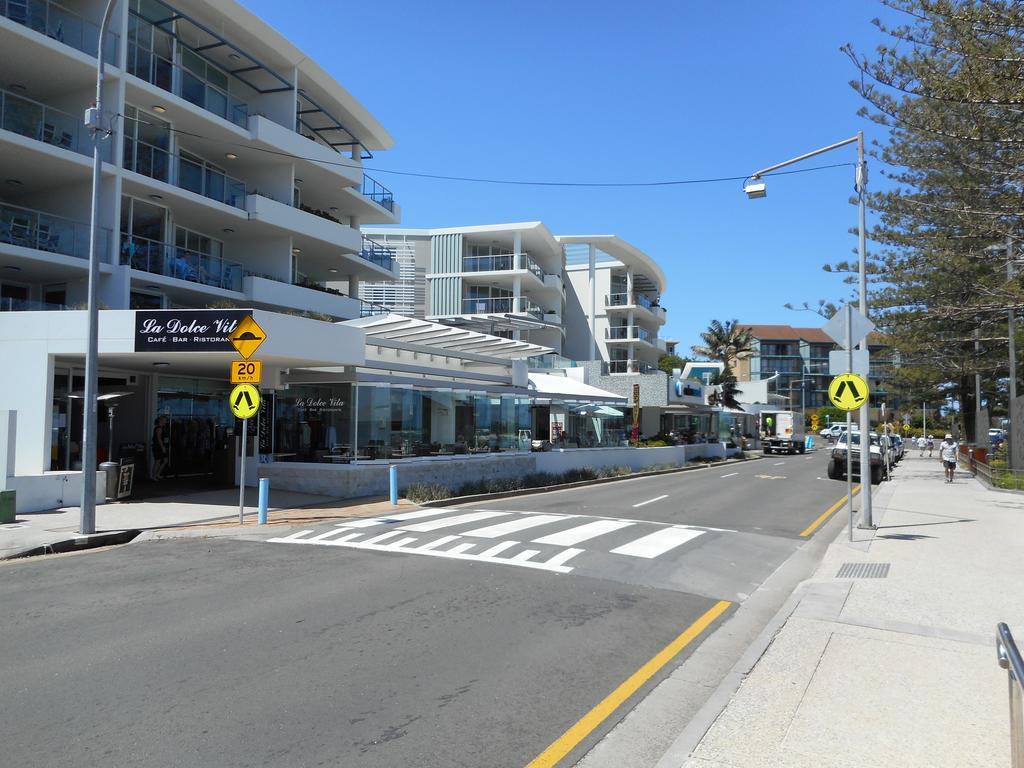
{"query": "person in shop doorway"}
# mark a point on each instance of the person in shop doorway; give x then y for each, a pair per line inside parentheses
(158, 448)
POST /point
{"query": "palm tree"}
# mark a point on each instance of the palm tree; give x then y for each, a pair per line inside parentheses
(724, 341)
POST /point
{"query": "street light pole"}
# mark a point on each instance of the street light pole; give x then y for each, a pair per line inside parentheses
(861, 185)
(93, 121)
(1013, 357)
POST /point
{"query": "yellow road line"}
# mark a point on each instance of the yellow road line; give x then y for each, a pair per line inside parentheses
(827, 514)
(568, 741)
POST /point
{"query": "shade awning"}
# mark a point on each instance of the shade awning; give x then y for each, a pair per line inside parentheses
(444, 338)
(565, 388)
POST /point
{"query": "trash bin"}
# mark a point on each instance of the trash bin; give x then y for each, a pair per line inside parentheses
(111, 468)
(7, 506)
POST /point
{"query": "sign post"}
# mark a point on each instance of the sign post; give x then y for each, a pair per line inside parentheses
(849, 328)
(245, 397)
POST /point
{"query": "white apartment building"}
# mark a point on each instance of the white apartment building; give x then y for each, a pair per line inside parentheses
(502, 279)
(613, 310)
(232, 172)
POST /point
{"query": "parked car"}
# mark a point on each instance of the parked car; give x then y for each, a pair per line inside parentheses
(899, 448)
(833, 431)
(996, 436)
(879, 457)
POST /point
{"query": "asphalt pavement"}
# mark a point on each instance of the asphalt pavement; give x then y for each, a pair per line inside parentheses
(322, 648)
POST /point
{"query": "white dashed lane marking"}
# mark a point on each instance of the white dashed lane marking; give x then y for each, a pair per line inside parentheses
(730, 474)
(651, 501)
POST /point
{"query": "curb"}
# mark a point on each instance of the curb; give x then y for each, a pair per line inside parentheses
(88, 541)
(577, 484)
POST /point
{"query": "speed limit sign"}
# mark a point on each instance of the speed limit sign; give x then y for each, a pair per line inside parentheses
(246, 371)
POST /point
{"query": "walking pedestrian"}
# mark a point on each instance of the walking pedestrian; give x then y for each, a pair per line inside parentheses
(931, 445)
(922, 443)
(947, 454)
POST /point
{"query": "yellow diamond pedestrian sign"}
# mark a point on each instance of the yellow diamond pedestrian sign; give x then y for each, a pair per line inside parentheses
(247, 337)
(848, 392)
(244, 401)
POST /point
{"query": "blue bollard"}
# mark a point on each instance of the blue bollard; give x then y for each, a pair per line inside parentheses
(393, 478)
(264, 498)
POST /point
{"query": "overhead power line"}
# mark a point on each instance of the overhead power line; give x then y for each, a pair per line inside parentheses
(485, 180)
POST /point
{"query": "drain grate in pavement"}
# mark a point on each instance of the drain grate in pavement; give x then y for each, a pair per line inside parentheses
(863, 571)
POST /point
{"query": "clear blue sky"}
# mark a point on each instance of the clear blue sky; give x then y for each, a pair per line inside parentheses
(585, 90)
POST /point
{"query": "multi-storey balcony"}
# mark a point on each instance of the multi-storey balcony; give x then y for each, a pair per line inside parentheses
(29, 305)
(634, 301)
(44, 123)
(41, 231)
(195, 84)
(378, 254)
(501, 305)
(60, 24)
(503, 262)
(173, 261)
(632, 334)
(378, 193)
(184, 171)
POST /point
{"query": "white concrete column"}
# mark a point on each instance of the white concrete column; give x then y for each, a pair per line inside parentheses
(629, 287)
(8, 444)
(631, 353)
(353, 221)
(353, 286)
(517, 249)
(517, 292)
(592, 272)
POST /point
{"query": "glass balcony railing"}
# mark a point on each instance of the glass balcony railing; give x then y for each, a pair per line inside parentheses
(501, 305)
(62, 25)
(627, 300)
(176, 79)
(195, 175)
(174, 261)
(28, 305)
(378, 254)
(628, 333)
(42, 231)
(369, 309)
(501, 262)
(377, 192)
(38, 121)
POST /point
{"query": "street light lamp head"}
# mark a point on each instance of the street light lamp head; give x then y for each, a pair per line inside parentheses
(755, 189)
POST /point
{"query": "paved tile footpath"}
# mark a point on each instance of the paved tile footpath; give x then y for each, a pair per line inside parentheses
(888, 656)
(208, 513)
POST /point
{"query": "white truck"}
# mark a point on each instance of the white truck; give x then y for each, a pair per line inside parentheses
(782, 432)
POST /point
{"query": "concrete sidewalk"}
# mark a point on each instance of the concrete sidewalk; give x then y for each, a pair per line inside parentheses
(894, 668)
(206, 513)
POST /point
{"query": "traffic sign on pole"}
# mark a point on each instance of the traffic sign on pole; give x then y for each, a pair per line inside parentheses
(246, 371)
(248, 337)
(859, 327)
(848, 392)
(244, 401)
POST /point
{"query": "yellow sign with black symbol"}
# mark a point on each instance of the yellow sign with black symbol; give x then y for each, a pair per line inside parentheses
(247, 337)
(814, 422)
(244, 401)
(848, 392)
(246, 371)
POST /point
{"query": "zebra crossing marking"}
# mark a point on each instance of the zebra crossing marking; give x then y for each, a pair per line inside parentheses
(396, 536)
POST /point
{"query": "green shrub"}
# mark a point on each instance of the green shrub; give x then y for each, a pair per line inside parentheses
(541, 479)
(614, 472)
(420, 492)
(578, 475)
(655, 444)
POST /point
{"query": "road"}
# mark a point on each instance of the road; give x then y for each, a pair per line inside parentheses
(428, 641)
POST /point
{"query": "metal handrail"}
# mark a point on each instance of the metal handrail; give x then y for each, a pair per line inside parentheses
(202, 178)
(59, 23)
(378, 254)
(377, 192)
(1009, 659)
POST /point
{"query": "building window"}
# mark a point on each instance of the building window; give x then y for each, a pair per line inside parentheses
(147, 144)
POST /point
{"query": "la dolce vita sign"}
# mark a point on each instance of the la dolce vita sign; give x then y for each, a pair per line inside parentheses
(188, 330)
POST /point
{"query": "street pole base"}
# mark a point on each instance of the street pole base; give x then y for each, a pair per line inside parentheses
(864, 527)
